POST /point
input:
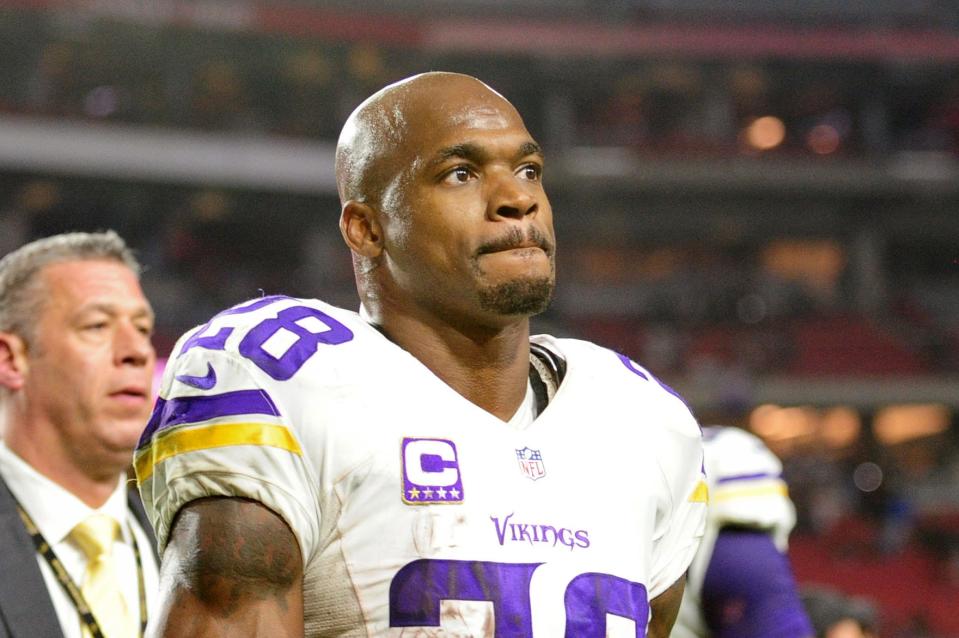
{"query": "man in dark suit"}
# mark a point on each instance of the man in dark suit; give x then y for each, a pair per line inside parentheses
(76, 365)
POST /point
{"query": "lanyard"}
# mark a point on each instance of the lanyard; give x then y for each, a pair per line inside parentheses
(83, 609)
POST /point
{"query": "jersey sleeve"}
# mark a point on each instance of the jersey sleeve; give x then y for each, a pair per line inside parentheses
(746, 484)
(681, 529)
(221, 429)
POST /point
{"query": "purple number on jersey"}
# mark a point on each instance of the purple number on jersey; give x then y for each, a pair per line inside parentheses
(589, 597)
(286, 365)
(631, 366)
(251, 347)
(218, 341)
(418, 588)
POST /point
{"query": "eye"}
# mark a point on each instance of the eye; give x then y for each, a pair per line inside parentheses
(532, 172)
(95, 326)
(458, 175)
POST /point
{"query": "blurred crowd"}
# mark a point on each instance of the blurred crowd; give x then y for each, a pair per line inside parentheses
(203, 249)
(67, 65)
(877, 533)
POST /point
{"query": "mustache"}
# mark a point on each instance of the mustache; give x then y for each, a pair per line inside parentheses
(516, 238)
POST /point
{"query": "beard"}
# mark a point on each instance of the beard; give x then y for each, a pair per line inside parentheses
(526, 296)
(521, 297)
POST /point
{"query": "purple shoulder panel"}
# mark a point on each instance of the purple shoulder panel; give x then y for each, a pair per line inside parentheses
(202, 408)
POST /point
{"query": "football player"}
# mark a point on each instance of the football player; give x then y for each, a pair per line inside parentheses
(423, 467)
(740, 584)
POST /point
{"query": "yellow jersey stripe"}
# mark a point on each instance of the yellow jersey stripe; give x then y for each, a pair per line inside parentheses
(700, 494)
(778, 489)
(212, 436)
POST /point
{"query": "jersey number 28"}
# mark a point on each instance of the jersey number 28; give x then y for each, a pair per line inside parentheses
(418, 588)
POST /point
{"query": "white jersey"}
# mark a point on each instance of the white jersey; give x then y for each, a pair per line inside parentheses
(417, 512)
(746, 489)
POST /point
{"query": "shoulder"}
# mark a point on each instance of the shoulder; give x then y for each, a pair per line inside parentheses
(746, 484)
(622, 380)
(269, 339)
(732, 452)
(240, 409)
(594, 361)
(265, 358)
(241, 327)
(726, 435)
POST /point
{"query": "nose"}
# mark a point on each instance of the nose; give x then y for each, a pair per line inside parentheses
(132, 346)
(511, 197)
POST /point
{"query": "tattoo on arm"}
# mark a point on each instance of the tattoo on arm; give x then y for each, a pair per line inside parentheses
(232, 560)
(241, 550)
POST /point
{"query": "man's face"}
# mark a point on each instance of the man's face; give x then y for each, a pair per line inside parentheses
(469, 227)
(90, 362)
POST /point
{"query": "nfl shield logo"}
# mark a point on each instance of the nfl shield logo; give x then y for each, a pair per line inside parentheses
(531, 463)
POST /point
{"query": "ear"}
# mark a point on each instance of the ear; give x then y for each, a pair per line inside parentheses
(361, 229)
(13, 361)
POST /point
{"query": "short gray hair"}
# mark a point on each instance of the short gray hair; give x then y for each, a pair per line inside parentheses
(19, 298)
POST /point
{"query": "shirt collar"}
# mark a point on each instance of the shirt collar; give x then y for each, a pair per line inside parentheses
(54, 510)
(526, 413)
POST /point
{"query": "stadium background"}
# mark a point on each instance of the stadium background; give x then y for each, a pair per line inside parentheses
(758, 199)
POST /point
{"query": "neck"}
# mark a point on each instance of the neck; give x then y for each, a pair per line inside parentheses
(487, 366)
(51, 459)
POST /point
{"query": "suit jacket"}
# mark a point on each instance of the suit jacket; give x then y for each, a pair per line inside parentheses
(26, 609)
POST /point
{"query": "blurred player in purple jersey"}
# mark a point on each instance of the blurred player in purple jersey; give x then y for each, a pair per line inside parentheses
(740, 585)
(425, 466)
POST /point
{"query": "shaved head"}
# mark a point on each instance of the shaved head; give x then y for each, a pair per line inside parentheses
(378, 140)
(443, 207)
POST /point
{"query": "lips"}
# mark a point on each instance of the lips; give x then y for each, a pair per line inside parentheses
(132, 393)
(516, 240)
(504, 249)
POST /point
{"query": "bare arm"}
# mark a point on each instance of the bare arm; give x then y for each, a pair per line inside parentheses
(665, 608)
(232, 567)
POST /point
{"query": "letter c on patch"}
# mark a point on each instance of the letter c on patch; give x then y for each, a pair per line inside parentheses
(431, 462)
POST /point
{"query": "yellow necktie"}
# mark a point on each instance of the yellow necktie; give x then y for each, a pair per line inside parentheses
(101, 587)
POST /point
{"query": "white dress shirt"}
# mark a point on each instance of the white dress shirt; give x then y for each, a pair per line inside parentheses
(55, 511)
